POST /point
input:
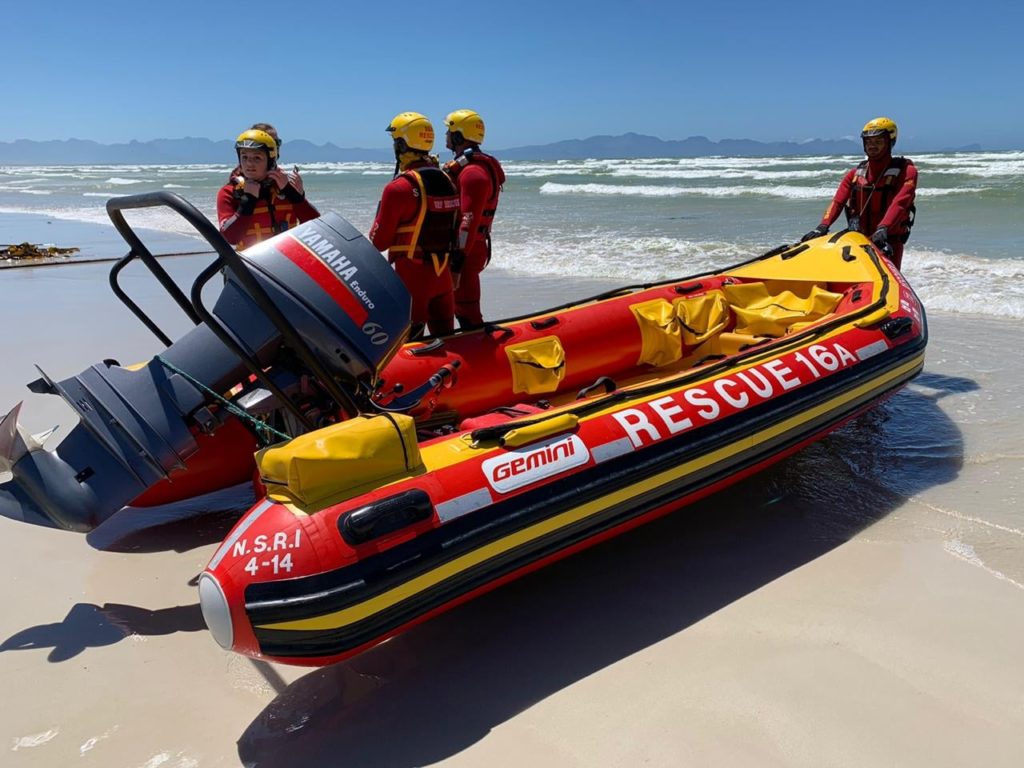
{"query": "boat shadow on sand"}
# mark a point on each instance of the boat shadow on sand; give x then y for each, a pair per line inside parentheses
(453, 679)
(173, 527)
(445, 684)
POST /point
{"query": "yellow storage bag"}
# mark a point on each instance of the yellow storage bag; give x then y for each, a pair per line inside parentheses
(725, 344)
(538, 365)
(701, 317)
(342, 458)
(769, 310)
(661, 341)
(531, 433)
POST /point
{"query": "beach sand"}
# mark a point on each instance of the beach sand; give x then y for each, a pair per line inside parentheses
(93, 241)
(860, 604)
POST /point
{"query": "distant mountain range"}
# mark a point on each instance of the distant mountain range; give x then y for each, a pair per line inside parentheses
(628, 145)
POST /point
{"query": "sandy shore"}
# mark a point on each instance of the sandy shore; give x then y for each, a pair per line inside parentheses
(860, 604)
(94, 241)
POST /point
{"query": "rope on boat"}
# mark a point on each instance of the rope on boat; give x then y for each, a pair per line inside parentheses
(261, 428)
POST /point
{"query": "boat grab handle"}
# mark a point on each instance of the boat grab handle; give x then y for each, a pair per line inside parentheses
(491, 328)
(547, 322)
(426, 349)
(603, 381)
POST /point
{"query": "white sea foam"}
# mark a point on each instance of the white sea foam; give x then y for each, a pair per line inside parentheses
(159, 219)
(624, 220)
(90, 743)
(785, 191)
(992, 170)
(949, 282)
(954, 282)
(644, 166)
(625, 259)
(357, 168)
(968, 554)
(545, 171)
(633, 190)
(725, 173)
(991, 165)
(35, 740)
(941, 192)
(181, 760)
(969, 158)
(41, 173)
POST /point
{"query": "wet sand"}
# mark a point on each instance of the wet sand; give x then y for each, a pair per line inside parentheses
(861, 603)
(94, 241)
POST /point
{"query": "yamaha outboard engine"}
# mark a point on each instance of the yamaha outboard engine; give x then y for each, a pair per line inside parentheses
(303, 325)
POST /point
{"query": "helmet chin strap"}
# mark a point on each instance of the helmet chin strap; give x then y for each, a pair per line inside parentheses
(404, 159)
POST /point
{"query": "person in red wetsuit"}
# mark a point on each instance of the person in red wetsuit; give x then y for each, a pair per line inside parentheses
(262, 201)
(479, 177)
(877, 195)
(416, 222)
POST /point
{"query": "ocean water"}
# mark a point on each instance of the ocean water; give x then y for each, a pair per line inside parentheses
(634, 220)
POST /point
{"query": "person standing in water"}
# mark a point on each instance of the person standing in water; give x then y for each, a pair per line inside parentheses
(416, 222)
(877, 195)
(478, 177)
(261, 201)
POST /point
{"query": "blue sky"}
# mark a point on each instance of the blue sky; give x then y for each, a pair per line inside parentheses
(948, 73)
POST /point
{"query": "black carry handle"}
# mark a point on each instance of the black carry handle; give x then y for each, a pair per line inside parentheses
(437, 380)
(228, 257)
(604, 382)
(115, 206)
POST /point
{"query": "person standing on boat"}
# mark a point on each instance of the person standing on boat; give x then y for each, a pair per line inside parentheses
(479, 177)
(416, 223)
(261, 201)
(877, 195)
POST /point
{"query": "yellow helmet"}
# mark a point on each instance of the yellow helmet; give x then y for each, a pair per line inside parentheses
(466, 122)
(411, 130)
(269, 129)
(878, 127)
(257, 139)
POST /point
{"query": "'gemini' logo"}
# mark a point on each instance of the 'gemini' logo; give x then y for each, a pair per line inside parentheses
(516, 468)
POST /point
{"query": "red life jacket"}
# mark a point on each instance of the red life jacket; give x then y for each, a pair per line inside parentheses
(272, 214)
(869, 202)
(432, 234)
(490, 164)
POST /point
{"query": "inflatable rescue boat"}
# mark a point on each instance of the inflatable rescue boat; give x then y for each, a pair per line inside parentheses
(551, 433)
(398, 480)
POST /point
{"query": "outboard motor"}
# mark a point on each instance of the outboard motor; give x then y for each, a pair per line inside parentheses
(298, 335)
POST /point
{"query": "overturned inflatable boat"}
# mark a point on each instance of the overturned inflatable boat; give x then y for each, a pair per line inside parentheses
(398, 480)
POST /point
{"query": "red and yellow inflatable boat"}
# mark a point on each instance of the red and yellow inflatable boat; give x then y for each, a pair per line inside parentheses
(537, 437)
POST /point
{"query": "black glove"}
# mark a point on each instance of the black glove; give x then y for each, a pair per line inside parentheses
(247, 203)
(881, 238)
(292, 195)
(818, 231)
(458, 261)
